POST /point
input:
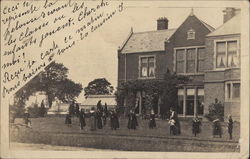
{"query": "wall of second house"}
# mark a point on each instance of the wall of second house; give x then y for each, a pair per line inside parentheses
(210, 41)
(133, 68)
(215, 79)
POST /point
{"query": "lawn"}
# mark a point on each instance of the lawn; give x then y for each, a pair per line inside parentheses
(53, 128)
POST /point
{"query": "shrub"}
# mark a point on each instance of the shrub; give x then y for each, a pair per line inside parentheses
(215, 111)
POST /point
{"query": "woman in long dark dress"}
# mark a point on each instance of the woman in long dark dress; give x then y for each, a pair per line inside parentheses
(174, 117)
(105, 114)
(99, 119)
(114, 121)
(82, 119)
(132, 120)
(217, 128)
(92, 119)
(230, 127)
(152, 123)
(27, 120)
(68, 120)
(196, 126)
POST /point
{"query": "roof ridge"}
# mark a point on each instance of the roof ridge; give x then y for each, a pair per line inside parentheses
(209, 34)
(209, 27)
(155, 31)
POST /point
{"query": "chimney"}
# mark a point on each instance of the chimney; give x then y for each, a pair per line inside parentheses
(228, 14)
(162, 23)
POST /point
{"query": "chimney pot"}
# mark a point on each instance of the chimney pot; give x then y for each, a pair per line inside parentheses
(228, 14)
(162, 23)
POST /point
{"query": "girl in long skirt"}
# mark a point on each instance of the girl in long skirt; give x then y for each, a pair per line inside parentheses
(196, 126)
(217, 128)
(92, 119)
(68, 120)
(82, 119)
(230, 127)
(132, 120)
(152, 123)
(99, 119)
(114, 122)
(174, 116)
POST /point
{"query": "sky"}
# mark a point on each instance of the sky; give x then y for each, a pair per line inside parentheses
(97, 56)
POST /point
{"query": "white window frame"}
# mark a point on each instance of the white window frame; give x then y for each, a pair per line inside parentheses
(147, 56)
(191, 31)
(231, 99)
(215, 53)
(195, 89)
(185, 60)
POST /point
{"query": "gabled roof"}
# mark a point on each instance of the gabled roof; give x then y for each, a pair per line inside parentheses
(209, 27)
(230, 27)
(147, 41)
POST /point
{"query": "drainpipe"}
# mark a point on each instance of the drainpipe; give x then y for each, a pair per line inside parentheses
(125, 67)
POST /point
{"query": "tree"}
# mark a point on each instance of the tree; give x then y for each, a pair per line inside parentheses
(53, 81)
(98, 86)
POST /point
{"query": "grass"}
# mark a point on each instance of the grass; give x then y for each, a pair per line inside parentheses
(52, 130)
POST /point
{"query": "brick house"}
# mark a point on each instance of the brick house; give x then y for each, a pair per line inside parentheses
(143, 56)
(148, 55)
(222, 62)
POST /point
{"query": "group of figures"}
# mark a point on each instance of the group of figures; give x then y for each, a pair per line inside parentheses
(99, 116)
(217, 129)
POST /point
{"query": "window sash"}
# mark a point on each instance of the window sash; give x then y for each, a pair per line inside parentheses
(232, 91)
(236, 90)
(189, 60)
(227, 54)
(147, 66)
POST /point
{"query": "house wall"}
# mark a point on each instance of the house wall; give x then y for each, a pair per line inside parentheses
(179, 39)
(215, 79)
(132, 65)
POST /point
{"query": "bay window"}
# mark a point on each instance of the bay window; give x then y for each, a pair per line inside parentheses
(190, 101)
(232, 91)
(226, 54)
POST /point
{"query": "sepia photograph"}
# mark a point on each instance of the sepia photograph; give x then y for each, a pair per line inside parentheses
(124, 79)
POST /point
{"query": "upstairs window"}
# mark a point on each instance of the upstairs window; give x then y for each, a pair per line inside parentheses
(180, 61)
(226, 54)
(190, 34)
(147, 66)
(189, 60)
(201, 59)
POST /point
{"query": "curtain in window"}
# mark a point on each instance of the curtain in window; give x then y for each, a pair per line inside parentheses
(144, 67)
(180, 61)
(190, 60)
(151, 64)
(221, 55)
(233, 60)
